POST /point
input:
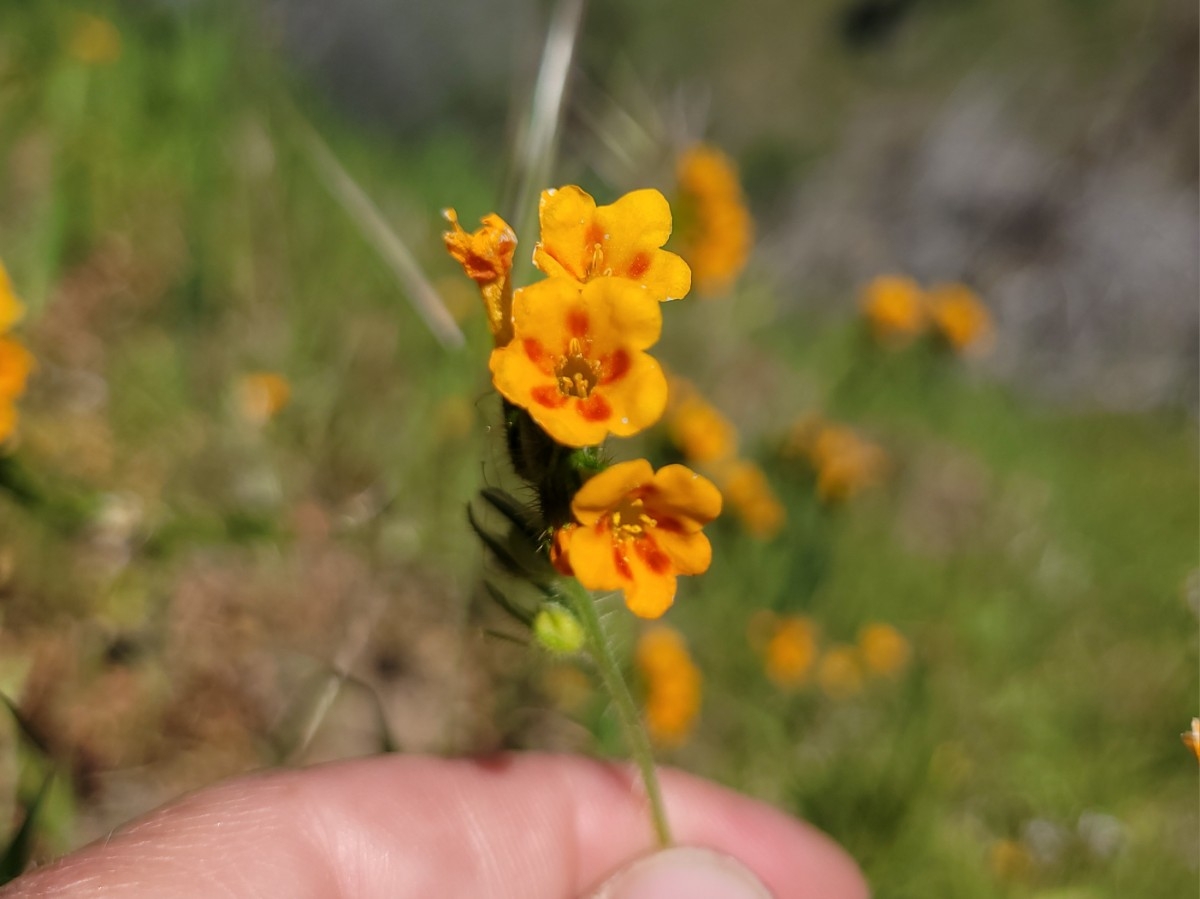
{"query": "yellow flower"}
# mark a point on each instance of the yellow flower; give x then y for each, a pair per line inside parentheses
(638, 529)
(1009, 860)
(486, 256)
(8, 419)
(894, 308)
(94, 41)
(584, 242)
(1191, 738)
(839, 673)
(883, 649)
(700, 432)
(960, 317)
(16, 363)
(576, 363)
(791, 651)
(845, 463)
(262, 395)
(11, 309)
(746, 488)
(719, 231)
(672, 685)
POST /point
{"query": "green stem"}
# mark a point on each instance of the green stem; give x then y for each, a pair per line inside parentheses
(618, 689)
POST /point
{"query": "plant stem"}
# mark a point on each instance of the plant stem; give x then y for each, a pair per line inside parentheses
(618, 689)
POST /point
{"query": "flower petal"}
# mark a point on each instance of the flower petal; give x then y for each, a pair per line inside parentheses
(566, 216)
(592, 556)
(639, 220)
(603, 491)
(650, 593)
(686, 493)
(624, 314)
(689, 553)
(640, 395)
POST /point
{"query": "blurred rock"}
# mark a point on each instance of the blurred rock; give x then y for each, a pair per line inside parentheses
(1086, 252)
(409, 64)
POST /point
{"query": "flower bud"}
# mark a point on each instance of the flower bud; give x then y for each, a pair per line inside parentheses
(557, 629)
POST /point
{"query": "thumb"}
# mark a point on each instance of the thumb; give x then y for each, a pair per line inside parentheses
(684, 873)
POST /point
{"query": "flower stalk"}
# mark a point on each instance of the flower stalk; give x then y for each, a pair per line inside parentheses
(636, 738)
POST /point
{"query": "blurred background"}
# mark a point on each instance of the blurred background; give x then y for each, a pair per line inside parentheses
(952, 614)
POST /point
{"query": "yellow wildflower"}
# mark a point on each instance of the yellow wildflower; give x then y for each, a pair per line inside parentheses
(791, 651)
(1191, 738)
(486, 256)
(719, 229)
(94, 41)
(839, 673)
(749, 493)
(16, 363)
(883, 649)
(695, 426)
(8, 419)
(263, 395)
(1009, 860)
(584, 242)
(672, 685)
(576, 361)
(894, 308)
(11, 309)
(960, 317)
(845, 464)
(637, 530)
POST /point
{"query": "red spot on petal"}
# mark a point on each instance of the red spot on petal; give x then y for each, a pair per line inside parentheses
(537, 354)
(656, 560)
(550, 397)
(670, 525)
(639, 264)
(595, 235)
(614, 367)
(595, 408)
(577, 323)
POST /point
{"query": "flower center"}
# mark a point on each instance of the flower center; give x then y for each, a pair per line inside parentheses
(577, 375)
(630, 520)
(596, 267)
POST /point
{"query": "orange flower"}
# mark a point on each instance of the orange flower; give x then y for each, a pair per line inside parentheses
(701, 432)
(8, 419)
(11, 309)
(719, 230)
(894, 308)
(672, 685)
(486, 256)
(960, 317)
(16, 363)
(1191, 738)
(637, 531)
(584, 242)
(576, 363)
(748, 491)
(845, 463)
(883, 649)
(791, 651)
(263, 395)
(840, 672)
(94, 41)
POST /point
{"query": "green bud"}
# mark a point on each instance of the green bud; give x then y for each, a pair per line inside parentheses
(557, 629)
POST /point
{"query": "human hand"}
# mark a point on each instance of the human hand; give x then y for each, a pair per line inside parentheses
(405, 827)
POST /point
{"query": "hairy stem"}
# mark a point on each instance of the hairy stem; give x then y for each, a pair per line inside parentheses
(631, 723)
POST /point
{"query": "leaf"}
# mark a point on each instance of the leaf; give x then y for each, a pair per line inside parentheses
(16, 856)
(521, 517)
(27, 730)
(522, 615)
